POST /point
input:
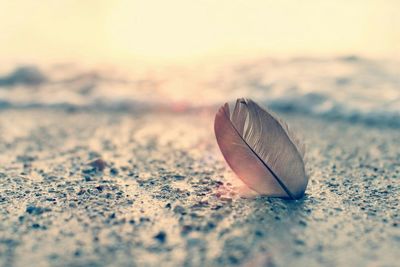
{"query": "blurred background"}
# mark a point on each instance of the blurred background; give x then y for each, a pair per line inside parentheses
(328, 58)
(182, 31)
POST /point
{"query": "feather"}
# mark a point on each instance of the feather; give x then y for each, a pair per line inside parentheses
(261, 149)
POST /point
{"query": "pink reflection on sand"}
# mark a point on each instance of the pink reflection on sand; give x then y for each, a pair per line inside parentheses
(234, 188)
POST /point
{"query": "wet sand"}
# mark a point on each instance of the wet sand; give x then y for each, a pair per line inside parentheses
(118, 189)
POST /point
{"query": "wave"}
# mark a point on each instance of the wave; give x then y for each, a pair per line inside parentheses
(349, 88)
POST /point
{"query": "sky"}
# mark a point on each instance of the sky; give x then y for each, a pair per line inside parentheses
(187, 30)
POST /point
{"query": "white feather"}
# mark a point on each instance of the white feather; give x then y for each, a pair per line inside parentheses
(261, 150)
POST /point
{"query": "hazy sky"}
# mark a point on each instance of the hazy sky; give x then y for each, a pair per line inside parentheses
(179, 30)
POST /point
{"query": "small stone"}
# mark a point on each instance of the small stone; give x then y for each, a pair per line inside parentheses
(100, 188)
(36, 210)
(180, 210)
(113, 171)
(259, 233)
(210, 225)
(186, 229)
(303, 223)
(98, 164)
(161, 237)
(144, 219)
(179, 177)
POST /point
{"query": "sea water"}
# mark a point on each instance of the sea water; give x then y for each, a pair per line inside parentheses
(346, 88)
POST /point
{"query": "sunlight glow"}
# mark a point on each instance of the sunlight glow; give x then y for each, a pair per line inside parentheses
(176, 30)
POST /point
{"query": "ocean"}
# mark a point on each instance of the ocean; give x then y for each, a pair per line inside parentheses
(350, 88)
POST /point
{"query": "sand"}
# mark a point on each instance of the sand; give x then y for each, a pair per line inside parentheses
(92, 188)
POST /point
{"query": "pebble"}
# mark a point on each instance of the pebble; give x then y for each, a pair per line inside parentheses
(98, 164)
(161, 237)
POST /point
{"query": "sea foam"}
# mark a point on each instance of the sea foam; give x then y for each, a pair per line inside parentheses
(350, 88)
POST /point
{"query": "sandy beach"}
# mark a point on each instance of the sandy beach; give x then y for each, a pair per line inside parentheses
(114, 133)
(95, 188)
